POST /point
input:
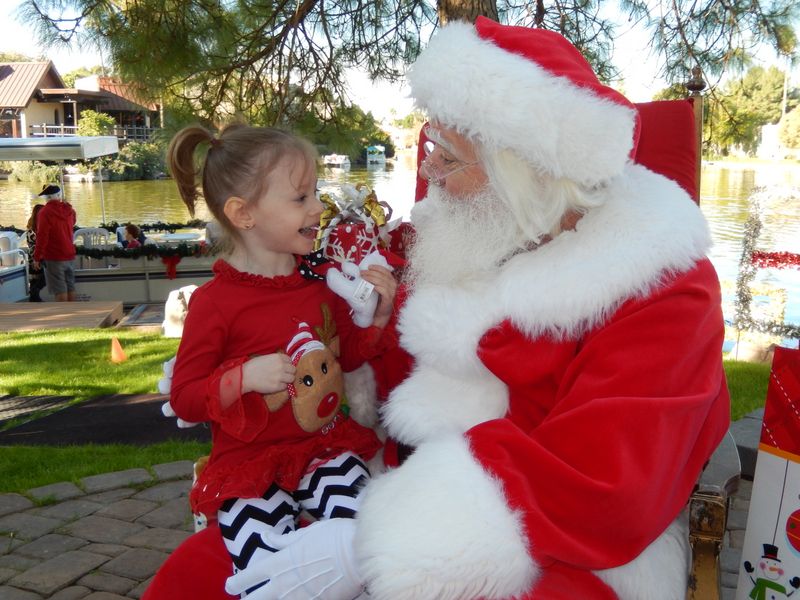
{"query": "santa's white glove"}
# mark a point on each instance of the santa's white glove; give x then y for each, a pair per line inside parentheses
(359, 294)
(164, 385)
(316, 561)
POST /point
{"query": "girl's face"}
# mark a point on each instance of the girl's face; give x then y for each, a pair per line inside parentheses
(286, 217)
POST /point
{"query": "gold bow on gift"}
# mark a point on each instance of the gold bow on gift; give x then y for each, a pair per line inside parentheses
(332, 214)
(373, 208)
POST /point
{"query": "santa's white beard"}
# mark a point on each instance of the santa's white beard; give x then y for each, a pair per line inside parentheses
(459, 240)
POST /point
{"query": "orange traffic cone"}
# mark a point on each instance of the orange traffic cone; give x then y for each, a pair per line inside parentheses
(117, 353)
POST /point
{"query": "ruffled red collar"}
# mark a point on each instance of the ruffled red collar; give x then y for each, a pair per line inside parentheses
(224, 269)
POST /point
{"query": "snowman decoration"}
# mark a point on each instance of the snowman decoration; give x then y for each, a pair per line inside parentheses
(769, 584)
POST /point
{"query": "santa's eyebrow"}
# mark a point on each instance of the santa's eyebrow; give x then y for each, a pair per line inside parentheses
(436, 137)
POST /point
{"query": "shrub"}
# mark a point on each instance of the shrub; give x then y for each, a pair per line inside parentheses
(34, 172)
(136, 160)
(95, 123)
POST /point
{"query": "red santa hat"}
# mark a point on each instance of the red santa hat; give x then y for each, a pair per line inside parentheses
(527, 90)
(303, 341)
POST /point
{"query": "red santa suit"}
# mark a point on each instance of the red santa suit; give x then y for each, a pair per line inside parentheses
(566, 404)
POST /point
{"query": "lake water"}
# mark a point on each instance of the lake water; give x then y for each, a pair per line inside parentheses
(724, 200)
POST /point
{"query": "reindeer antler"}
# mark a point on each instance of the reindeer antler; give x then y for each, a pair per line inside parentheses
(327, 332)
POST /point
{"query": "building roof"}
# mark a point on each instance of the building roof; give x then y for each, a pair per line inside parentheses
(123, 96)
(20, 81)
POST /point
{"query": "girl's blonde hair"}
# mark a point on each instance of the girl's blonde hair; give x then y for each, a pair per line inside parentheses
(237, 163)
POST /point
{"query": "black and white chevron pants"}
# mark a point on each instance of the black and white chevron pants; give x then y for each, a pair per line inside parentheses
(330, 491)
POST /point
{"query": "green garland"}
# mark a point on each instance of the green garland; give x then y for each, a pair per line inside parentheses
(148, 251)
(112, 227)
(159, 226)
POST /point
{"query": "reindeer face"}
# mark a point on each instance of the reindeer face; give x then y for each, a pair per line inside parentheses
(319, 387)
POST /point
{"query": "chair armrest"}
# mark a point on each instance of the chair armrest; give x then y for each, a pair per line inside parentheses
(708, 515)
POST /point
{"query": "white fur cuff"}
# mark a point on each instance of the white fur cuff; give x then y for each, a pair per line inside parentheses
(439, 527)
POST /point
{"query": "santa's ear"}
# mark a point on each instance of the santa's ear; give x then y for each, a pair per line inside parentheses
(238, 212)
(275, 400)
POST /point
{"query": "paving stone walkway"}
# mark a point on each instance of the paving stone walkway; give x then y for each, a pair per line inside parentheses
(103, 539)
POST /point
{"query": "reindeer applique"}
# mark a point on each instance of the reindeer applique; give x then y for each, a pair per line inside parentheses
(318, 388)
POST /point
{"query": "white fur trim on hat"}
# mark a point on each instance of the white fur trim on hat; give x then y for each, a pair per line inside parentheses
(510, 102)
(303, 341)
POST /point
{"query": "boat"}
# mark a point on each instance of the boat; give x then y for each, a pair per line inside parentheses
(144, 279)
(376, 155)
(336, 161)
(13, 268)
(139, 280)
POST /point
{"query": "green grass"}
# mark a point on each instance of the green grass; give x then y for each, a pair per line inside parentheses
(747, 383)
(77, 362)
(26, 467)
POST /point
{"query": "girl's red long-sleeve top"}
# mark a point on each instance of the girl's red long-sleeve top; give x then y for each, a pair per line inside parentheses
(239, 315)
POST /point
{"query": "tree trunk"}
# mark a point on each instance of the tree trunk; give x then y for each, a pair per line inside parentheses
(465, 10)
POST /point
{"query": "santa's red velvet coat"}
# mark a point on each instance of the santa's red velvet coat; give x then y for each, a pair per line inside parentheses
(561, 414)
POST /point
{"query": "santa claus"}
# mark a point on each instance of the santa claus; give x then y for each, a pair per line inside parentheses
(566, 332)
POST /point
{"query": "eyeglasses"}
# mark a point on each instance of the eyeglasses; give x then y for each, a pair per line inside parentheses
(438, 166)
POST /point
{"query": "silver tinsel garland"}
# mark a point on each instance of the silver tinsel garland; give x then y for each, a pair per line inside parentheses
(743, 319)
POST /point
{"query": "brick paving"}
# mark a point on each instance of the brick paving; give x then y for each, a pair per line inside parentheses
(104, 538)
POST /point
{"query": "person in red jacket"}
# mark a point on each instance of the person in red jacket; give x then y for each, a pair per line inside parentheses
(54, 250)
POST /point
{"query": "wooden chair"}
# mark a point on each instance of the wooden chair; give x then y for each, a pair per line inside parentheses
(670, 144)
(708, 517)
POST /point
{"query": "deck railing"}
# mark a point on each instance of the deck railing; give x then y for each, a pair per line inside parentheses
(139, 134)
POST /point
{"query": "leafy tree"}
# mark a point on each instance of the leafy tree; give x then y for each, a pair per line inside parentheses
(282, 59)
(789, 131)
(349, 132)
(412, 120)
(735, 114)
(6, 57)
(69, 78)
(136, 160)
(95, 123)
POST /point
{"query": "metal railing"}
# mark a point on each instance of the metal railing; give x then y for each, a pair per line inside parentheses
(139, 134)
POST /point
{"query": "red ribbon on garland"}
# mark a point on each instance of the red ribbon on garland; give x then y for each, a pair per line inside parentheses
(172, 265)
(775, 260)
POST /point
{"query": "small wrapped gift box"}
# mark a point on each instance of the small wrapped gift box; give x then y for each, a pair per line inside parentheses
(353, 226)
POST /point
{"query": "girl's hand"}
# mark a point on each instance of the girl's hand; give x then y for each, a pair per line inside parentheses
(386, 286)
(267, 374)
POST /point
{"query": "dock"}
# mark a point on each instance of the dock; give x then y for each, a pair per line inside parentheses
(30, 316)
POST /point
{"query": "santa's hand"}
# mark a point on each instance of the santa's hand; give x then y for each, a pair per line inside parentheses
(313, 562)
(359, 294)
(164, 385)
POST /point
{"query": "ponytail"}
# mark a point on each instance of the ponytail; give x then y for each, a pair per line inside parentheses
(181, 161)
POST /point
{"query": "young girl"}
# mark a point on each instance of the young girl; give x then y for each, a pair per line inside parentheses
(249, 361)
(132, 234)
